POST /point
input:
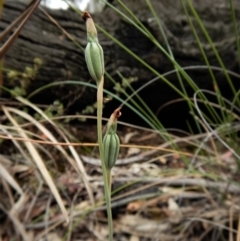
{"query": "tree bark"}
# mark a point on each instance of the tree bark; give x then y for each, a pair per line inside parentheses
(63, 60)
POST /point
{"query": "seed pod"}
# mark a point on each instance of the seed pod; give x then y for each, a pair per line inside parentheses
(111, 145)
(95, 61)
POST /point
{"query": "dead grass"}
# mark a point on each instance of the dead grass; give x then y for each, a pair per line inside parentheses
(159, 193)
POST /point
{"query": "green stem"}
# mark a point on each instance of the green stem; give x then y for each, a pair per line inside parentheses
(109, 181)
(107, 186)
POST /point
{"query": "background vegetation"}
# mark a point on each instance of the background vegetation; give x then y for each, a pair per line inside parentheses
(168, 183)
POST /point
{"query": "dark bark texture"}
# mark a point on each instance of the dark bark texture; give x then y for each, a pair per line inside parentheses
(63, 60)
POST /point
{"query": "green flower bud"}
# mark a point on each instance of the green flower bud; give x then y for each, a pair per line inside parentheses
(111, 146)
(93, 52)
(111, 142)
(95, 61)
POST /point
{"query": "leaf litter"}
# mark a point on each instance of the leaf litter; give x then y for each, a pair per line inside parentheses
(156, 197)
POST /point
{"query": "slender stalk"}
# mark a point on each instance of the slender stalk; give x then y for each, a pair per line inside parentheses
(109, 177)
(95, 62)
(106, 174)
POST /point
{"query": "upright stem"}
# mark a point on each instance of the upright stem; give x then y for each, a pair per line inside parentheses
(107, 185)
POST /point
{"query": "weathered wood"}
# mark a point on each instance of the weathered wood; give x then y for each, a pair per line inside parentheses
(62, 59)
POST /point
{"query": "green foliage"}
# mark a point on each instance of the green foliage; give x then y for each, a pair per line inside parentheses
(54, 110)
(21, 81)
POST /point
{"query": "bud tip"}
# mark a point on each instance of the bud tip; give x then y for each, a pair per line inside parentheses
(85, 16)
(117, 113)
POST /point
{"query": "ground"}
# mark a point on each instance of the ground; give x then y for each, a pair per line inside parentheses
(157, 195)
